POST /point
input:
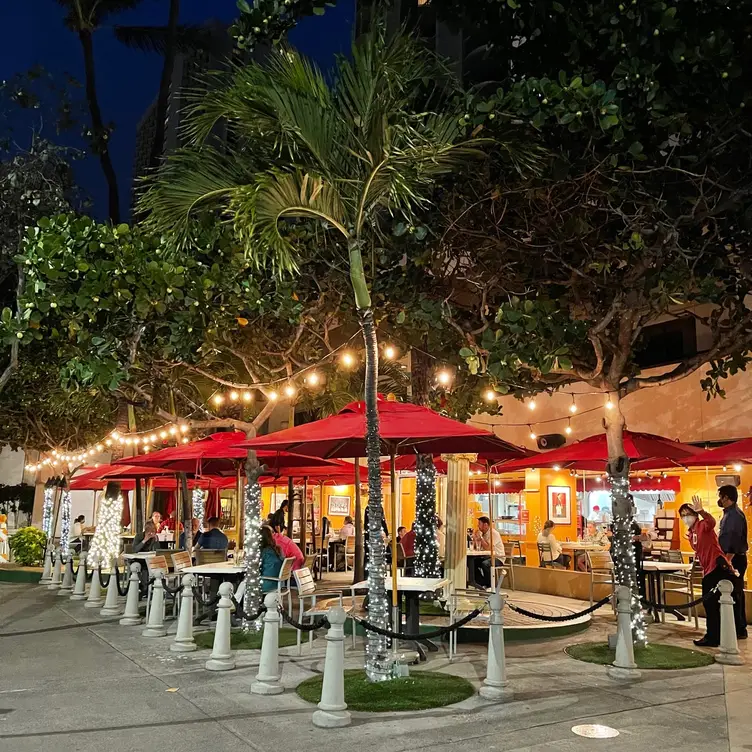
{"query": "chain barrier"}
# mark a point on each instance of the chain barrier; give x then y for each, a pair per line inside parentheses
(682, 606)
(104, 584)
(240, 614)
(323, 622)
(568, 617)
(209, 602)
(173, 592)
(440, 632)
(123, 591)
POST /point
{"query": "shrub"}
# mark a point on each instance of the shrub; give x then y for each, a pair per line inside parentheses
(27, 546)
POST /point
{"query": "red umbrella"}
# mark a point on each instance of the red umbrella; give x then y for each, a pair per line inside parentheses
(95, 479)
(730, 454)
(404, 429)
(592, 453)
(213, 506)
(125, 517)
(407, 463)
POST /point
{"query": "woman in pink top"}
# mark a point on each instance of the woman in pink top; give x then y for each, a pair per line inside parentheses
(290, 550)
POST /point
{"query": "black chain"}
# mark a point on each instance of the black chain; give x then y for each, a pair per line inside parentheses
(209, 602)
(121, 590)
(682, 606)
(240, 614)
(321, 623)
(422, 635)
(569, 617)
(104, 583)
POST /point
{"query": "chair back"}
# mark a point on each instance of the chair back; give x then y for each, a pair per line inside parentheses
(181, 560)
(157, 563)
(599, 560)
(513, 545)
(210, 555)
(350, 545)
(544, 549)
(128, 548)
(672, 556)
(304, 581)
(309, 562)
(285, 571)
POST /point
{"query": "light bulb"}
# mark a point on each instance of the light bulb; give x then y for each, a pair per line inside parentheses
(312, 379)
(532, 404)
(347, 360)
(533, 435)
(153, 438)
(444, 378)
(147, 449)
(218, 399)
(128, 440)
(173, 430)
(390, 353)
(121, 440)
(686, 469)
(115, 435)
(185, 439)
(490, 395)
(144, 440)
(92, 452)
(738, 468)
(290, 390)
(108, 442)
(573, 407)
(247, 396)
(272, 396)
(568, 430)
(163, 434)
(234, 396)
(609, 405)
(557, 468)
(184, 428)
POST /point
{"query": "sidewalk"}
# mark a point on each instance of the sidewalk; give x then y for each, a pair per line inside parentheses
(104, 687)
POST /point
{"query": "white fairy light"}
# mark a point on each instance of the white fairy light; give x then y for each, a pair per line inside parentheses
(106, 541)
(65, 522)
(198, 508)
(252, 556)
(426, 543)
(49, 501)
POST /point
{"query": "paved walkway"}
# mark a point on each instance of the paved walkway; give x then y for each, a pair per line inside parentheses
(102, 687)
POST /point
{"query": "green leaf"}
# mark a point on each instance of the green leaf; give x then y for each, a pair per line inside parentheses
(466, 352)
(319, 11)
(635, 148)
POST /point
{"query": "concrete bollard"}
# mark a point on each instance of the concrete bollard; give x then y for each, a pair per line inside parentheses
(221, 658)
(728, 652)
(47, 570)
(184, 636)
(131, 616)
(495, 685)
(95, 589)
(155, 622)
(332, 711)
(66, 586)
(79, 589)
(57, 572)
(111, 602)
(268, 676)
(624, 667)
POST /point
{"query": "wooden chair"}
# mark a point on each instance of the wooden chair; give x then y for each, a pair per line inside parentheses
(210, 555)
(283, 582)
(601, 572)
(687, 582)
(157, 563)
(544, 550)
(350, 551)
(310, 561)
(180, 561)
(672, 556)
(307, 592)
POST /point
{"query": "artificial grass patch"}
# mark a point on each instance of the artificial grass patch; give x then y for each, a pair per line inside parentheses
(240, 640)
(421, 690)
(653, 656)
(432, 609)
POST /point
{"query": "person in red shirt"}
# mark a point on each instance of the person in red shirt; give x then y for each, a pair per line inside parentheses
(715, 565)
(408, 543)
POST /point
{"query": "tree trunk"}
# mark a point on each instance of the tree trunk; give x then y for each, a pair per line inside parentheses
(420, 370)
(251, 542)
(100, 135)
(187, 509)
(358, 566)
(622, 553)
(163, 99)
(426, 542)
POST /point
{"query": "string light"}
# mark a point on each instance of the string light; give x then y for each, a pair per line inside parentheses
(252, 556)
(609, 405)
(234, 396)
(390, 353)
(272, 396)
(185, 439)
(312, 379)
(65, 523)
(426, 561)
(557, 468)
(568, 429)
(573, 406)
(738, 468)
(491, 395)
(218, 399)
(532, 404)
(348, 361)
(163, 435)
(184, 428)
(247, 396)
(106, 541)
(290, 390)
(49, 502)
(444, 377)
(533, 435)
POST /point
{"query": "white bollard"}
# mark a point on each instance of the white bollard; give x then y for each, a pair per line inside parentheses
(131, 616)
(79, 589)
(111, 602)
(95, 589)
(184, 636)
(624, 667)
(728, 652)
(47, 571)
(268, 676)
(66, 586)
(332, 711)
(57, 572)
(495, 685)
(221, 658)
(155, 623)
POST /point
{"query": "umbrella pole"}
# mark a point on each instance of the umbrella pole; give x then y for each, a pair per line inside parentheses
(393, 499)
(303, 502)
(239, 511)
(493, 526)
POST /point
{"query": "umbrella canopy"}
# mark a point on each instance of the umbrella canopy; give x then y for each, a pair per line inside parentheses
(406, 463)
(404, 429)
(729, 454)
(592, 453)
(220, 454)
(94, 479)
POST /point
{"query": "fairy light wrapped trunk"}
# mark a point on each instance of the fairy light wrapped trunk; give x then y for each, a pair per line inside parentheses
(65, 521)
(198, 507)
(105, 545)
(426, 544)
(47, 507)
(251, 543)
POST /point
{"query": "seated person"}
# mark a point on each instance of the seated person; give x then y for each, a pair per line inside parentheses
(212, 537)
(488, 539)
(156, 518)
(408, 542)
(170, 523)
(348, 529)
(401, 530)
(194, 534)
(289, 550)
(555, 555)
(271, 559)
(146, 540)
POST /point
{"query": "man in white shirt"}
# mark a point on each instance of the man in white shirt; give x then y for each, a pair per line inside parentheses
(487, 538)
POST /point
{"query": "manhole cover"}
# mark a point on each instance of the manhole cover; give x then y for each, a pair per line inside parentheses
(595, 731)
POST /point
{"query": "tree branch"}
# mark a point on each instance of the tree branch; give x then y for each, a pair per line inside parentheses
(12, 366)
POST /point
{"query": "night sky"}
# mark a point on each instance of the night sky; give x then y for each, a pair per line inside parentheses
(32, 33)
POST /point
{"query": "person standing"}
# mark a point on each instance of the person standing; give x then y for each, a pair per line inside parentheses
(715, 566)
(279, 518)
(732, 538)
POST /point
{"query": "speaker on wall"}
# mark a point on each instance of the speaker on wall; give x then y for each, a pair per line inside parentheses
(551, 441)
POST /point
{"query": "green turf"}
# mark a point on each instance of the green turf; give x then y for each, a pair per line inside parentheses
(432, 609)
(652, 656)
(421, 690)
(247, 641)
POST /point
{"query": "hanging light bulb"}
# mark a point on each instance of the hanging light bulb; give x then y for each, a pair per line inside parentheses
(568, 429)
(290, 391)
(573, 406)
(115, 435)
(348, 360)
(390, 353)
(234, 396)
(100, 448)
(609, 405)
(444, 377)
(312, 379)
(128, 440)
(184, 428)
(173, 430)
(163, 434)
(153, 438)
(738, 468)
(532, 404)
(686, 469)
(108, 442)
(185, 439)
(490, 395)
(272, 396)
(218, 399)
(147, 449)
(247, 396)
(557, 468)
(533, 435)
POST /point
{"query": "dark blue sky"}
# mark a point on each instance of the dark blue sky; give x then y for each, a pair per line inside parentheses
(32, 33)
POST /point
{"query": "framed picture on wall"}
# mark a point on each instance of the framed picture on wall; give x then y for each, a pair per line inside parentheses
(560, 504)
(339, 506)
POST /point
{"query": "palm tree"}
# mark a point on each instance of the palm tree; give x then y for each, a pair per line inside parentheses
(346, 158)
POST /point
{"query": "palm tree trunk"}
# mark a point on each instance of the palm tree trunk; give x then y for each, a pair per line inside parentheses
(377, 647)
(163, 99)
(358, 566)
(100, 138)
(617, 470)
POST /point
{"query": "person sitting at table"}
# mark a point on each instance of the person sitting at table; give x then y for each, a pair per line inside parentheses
(408, 542)
(170, 523)
(348, 529)
(488, 539)
(271, 559)
(289, 550)
(555, 554)
(146, 540)
(212, 537)
(401, 530)
(194, 534)
(156, 518)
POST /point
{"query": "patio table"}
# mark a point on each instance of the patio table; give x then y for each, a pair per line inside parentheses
(655, 571)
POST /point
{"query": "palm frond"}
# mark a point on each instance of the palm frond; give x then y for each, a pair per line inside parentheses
(155, 38)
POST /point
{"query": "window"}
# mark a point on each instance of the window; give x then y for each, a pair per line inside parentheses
(667, 342)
